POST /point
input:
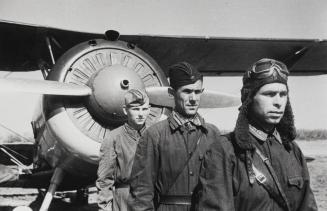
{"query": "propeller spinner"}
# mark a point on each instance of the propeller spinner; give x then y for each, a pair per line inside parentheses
(108, 86)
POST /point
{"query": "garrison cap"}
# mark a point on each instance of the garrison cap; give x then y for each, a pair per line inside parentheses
(135, 97)
(182, 74)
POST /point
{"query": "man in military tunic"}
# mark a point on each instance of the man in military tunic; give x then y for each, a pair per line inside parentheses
(168, 157)
(258, 166)
(117, 153)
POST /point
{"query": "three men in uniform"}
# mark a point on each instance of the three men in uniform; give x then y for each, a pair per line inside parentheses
(183, 163)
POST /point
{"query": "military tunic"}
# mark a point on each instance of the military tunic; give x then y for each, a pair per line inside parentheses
(225, 179)
(167, 163)
(115, 166)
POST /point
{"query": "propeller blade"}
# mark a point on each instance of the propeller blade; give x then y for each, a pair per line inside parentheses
(213, 99)
(163, 96)
(43, 87)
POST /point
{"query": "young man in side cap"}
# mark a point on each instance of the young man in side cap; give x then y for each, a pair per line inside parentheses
(167, 160)
(117, 153)
(259, 166)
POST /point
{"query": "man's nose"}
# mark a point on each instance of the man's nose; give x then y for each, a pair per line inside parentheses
(277, 101)
(192, 96)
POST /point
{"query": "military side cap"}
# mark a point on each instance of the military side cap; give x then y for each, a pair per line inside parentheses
(182, 74)
(135, 97)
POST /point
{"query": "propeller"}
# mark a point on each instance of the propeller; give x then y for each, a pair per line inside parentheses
(209, 99)
(44, 87)
(214, 99)
(162, 96)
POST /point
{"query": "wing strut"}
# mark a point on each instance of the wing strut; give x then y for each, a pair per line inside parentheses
(47, 39)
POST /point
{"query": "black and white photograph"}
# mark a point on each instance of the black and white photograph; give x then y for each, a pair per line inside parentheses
(184, 105)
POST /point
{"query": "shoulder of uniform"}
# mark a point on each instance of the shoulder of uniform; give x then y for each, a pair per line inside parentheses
(222, 142)
(228, 136)
(158, 126)
(211, 127)
(221, 148)
(116, 131)
(154, 131)
(295, 147)
(112, 135)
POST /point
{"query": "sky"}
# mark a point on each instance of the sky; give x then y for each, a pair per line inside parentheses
(294, 19)
(286, 19)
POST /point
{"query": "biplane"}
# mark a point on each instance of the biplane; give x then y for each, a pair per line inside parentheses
(86, 74)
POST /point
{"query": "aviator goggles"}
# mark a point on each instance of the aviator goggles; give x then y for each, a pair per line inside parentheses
(265, 68)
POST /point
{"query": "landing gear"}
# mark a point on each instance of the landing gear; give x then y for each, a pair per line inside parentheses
(55, 181)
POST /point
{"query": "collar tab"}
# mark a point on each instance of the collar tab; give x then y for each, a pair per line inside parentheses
(262, 136)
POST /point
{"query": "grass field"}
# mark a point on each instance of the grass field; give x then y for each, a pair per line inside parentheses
(318, 176)
(311, 135)
(317, 169)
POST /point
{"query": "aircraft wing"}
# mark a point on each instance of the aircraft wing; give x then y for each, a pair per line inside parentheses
(26, 48)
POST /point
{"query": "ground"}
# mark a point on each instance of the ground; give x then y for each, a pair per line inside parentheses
(12, 197)
(318, 174)
(317, 169)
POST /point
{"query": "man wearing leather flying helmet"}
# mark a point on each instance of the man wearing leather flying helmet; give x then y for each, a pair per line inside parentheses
(258, 166)
(167, 161)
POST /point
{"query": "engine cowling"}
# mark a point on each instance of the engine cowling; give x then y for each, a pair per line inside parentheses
(110, 68)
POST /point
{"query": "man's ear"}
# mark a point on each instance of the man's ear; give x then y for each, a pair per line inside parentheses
(124, 110)
(172, 91)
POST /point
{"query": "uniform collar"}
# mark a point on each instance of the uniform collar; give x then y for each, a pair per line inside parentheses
(176, 120)
(132, 132)
(262, 136)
